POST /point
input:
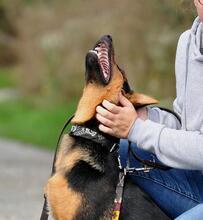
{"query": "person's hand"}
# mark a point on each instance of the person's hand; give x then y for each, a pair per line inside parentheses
(116, 120)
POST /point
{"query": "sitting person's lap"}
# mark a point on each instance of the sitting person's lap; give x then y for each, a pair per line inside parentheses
(195, 213)
(174, 190)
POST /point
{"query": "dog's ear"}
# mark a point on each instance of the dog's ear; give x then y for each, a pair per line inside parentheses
(139, 100)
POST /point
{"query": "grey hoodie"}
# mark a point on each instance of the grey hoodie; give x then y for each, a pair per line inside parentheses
(179, 146)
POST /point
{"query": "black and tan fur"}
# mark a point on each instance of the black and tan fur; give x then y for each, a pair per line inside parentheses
(86, 174)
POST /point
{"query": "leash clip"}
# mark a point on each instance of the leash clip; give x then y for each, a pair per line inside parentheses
(144, 169)
(119, 163)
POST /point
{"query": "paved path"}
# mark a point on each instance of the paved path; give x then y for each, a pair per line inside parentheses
(23, 174)
(9, 94)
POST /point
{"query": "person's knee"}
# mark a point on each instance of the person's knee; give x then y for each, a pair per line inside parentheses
(195, 213)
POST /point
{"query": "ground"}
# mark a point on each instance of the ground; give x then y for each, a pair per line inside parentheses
(23, 174)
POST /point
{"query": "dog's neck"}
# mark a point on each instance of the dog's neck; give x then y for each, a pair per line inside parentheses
(99, 145)
(91, 132)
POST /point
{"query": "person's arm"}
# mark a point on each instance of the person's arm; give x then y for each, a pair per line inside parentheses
(161, 116)
(175, 148)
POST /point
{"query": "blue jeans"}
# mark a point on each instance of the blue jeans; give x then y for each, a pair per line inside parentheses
(175, 191)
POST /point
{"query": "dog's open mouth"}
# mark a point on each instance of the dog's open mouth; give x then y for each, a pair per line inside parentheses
(103, 55)
(104, 80)
(98, 61)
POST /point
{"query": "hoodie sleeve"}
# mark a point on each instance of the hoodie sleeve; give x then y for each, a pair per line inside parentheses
(164, 117)
(173, 147)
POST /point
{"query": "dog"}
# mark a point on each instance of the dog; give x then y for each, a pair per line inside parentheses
(86, 172)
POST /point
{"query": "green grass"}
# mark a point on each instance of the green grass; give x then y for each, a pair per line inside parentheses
(6, 78)
(40, 126)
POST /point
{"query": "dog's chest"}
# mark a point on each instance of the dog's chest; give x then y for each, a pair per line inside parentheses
(78, 190)
(97, 190)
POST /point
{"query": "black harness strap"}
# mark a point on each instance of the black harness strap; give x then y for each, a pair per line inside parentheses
(171, 112)
(148, 163)
(201, 44)
(78, 131)
(45, 211)
(87, 133)
(59, 139)
(95, 136)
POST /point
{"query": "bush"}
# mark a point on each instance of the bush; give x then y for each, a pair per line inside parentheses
(8, 34)
(54, 37)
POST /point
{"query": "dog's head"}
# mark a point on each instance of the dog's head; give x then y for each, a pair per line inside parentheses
(104, 80)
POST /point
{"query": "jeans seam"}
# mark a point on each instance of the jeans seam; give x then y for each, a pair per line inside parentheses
(192, 197)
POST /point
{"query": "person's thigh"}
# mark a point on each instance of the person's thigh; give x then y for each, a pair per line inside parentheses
(174, 190)
(195, 213)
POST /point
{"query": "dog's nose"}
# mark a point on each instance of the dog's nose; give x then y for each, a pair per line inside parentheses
(107, 38)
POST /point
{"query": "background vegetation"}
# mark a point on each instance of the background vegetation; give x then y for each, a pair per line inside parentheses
(42, 48)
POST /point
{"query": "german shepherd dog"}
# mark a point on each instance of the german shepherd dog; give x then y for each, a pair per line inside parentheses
(86, 173)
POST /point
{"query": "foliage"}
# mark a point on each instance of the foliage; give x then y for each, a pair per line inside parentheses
(47, 40)
(8, 34)
(145, 35)
(6, 78)
(54, 36)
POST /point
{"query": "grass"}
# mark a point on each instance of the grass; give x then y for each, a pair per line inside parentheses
(36, 124)
(6, 78)
(40, 126)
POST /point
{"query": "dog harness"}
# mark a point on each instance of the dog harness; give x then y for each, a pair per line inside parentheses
(82, 131)
(119, 197)
(87, 133)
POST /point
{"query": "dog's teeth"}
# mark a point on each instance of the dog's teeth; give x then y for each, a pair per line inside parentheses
(105, 63)
(93, 51)
(103, 55)
(105, 75)
(98, 48)
(102, 60)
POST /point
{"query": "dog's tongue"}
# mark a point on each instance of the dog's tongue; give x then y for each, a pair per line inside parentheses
(93, 95)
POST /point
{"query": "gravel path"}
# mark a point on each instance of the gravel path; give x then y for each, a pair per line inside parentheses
(23, 173)
(8, 94)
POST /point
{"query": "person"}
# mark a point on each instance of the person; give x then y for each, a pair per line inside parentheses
(153, 131)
